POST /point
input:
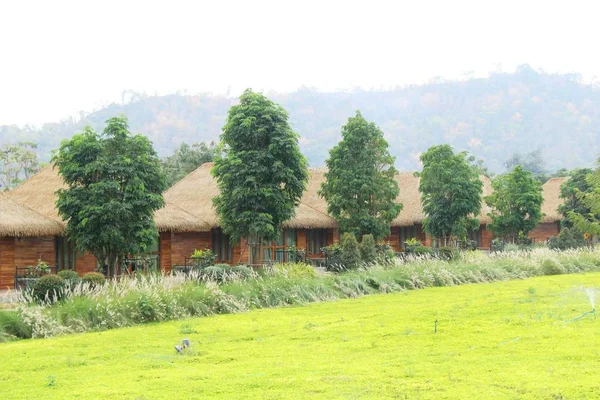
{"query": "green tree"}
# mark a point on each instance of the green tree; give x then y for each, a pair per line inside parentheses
(186, 159)
(360, 186)
(114, 184)
(368, 249)
(587, 219)
(450, 193)
(570, 193)
(516, 203)
(17, 163)
(350, 251)
(261, 173)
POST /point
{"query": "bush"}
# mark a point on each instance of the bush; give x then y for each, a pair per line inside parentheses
(333, 254)
(215, 273)
(411, 244)
(202, 258)
(70, 277)
(568, 238)
(242, 272)
(94, 279)
(498, 245)
(350, 253)
(448, 253)
(368, 250)
(49, 288)
(295, 270)
(419, 250)
(385, 253)
(551, 267)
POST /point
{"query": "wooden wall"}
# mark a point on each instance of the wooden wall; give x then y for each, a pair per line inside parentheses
(184, 244)
(85, 263)
(7, 262)
(394, 238)
(486, 237)
(165, 250)
(544, 231)
(29, 250)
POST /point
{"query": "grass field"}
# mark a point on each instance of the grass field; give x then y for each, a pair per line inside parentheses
(502, 340)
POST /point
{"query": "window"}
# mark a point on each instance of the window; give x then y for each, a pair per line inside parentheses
(275, 250)
(475, 235)
(65, 254)
(407, 233)
(316, 239)
(221, 245)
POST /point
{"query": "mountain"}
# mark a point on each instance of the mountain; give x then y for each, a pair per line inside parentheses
(492, 117)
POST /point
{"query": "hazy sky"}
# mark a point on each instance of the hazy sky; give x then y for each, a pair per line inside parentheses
(60, 57)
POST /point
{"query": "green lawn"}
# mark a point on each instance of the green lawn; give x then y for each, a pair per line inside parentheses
(503, 340)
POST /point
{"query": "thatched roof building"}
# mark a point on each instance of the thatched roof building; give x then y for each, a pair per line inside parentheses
(17, 220)
(195, 192)
(552, 199)
(39, 193)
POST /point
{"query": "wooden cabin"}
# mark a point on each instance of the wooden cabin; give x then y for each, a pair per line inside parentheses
(550, 225)
(311, 228)
(409, 223)
(39, 193)
(25, 237)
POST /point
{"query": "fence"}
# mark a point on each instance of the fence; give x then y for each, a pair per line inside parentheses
(144, 264)
(25, 277)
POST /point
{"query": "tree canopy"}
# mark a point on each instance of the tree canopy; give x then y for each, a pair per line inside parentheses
(114, 184)
(516, 203)
(587, 218)
(261, 173)
(360, 186)
(577, 183)
(450, 193)
(17, 163)
(186, 159)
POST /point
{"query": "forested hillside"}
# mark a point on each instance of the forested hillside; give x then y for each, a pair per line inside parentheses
(492, 118)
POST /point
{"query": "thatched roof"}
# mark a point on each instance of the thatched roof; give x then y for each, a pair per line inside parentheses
(412, 210)
(552, 199)
(195, 192)
(39, 193)
(19, 220)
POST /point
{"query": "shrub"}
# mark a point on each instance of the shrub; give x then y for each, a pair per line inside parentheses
(568, 238)
(419, 250)
(552, 267)
(242, 272)
(70, 276)
(368, 250)
(295, 270)
(49, 288)
(333, 254)
(202, 258)
(498, 245)
(94, 279)
(411, 244)
(295, 254)
(350, 253)
(385, 253)
(215, 273)
(448, 253)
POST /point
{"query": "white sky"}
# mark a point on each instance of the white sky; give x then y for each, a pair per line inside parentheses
(60, 57)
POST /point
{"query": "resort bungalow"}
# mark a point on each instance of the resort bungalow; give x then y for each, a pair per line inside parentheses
(39, 194)
(409, 223)
(311, 229)
(25, 238)
(550, 225)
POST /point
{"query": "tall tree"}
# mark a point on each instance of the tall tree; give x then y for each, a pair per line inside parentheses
(261, 173)
(587, 219)
(570, 192)
(114, 184)
(17, 163)
(186, 159)
(516, 203)
(360, 186)
(450, 193)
